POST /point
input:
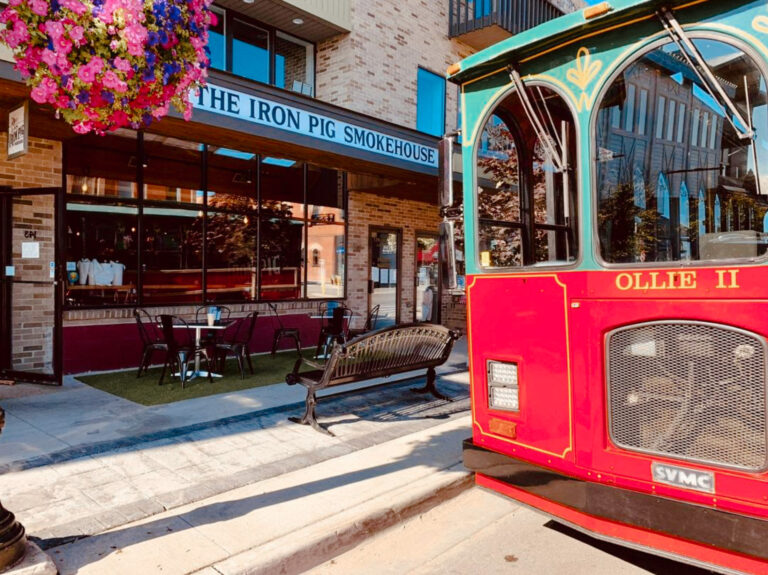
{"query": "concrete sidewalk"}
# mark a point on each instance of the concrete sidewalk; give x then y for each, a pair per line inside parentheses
(106, 486)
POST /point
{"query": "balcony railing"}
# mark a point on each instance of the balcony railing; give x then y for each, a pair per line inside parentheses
(481, 23)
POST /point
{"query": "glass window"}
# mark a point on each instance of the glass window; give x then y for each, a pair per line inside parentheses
(172, 170)
(681, 124)
(281, 234)
(430, 103)
(325, 233)
(700, 207)
(250, 51)
(695, 127)
(671, 120)
(294, 64)
(524, 217)
(172, 255)
(642, 112)
(660, 117)
(629, 118)
(217, 41)
(231, 226)
(100, 250)
(102, 166)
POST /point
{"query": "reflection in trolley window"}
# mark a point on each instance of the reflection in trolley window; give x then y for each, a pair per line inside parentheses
(678, 198)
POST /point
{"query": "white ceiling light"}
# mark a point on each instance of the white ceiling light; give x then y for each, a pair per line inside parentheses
(298, 21)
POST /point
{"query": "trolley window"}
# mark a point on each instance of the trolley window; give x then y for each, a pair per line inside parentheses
(693, 187)
(524, 182)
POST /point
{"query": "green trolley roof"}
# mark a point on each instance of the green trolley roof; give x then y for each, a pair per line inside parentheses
(550, 35)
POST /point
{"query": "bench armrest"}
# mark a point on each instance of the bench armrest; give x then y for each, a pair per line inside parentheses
(293, 377)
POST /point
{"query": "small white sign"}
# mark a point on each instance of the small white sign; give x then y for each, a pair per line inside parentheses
(10, 271)
(18, 131)
(30, 250)
(52, 269)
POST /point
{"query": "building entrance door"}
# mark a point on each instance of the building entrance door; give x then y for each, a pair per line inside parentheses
(30, 314)
(427, 280)
(384, 278)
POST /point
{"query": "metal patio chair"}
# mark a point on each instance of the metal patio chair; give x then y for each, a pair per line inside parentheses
(282, 332)
(151, 339)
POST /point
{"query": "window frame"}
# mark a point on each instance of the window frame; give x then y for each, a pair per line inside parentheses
(528, 225)
(273, 34)
(140, 203)
(639, 53)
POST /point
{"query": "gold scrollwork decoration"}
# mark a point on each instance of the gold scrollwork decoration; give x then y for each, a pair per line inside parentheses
(760, 23)
(583, 74)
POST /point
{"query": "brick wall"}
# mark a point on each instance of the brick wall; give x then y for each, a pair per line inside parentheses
(373, 69)
(367, 210)
(32, 306)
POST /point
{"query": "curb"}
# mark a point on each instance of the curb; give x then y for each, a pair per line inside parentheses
(314, 545)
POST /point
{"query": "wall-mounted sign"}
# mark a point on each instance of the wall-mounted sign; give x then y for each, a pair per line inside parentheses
(30, 250)
(264, 112)
(18, 131)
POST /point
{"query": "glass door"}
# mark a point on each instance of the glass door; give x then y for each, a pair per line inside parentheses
(29, 312)
(384, 282)
(427, 279)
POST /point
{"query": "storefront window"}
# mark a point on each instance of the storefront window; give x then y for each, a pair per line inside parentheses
(325, 233)
(281, 233)
(213, 225)
(101, 221)
(695, 191)
(217, 41)
(172, 170)
(103, 166)
(232, 225)
(101, 244)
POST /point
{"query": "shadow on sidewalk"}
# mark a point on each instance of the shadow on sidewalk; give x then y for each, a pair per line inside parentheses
(92, 549)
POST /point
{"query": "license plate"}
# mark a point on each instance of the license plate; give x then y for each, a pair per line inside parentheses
(683, 477)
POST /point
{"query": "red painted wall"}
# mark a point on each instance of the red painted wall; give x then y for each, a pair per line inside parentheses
(114, 346)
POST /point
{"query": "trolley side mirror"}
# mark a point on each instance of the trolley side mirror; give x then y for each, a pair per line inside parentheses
(448, 255)
(445, 172)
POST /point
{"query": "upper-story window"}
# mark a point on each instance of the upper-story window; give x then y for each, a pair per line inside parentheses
(693, 189)
(430, 103)
(257, 52)
(525, 184)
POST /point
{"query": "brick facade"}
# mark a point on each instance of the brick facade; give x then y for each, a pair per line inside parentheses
(368, 210)
(32, 314)
(372, 70)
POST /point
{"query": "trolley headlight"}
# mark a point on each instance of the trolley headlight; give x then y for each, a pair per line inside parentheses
(503, 391)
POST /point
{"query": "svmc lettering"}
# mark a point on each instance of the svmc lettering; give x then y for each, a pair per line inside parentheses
(673, 280)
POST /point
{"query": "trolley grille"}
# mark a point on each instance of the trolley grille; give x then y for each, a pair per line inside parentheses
(689, 390)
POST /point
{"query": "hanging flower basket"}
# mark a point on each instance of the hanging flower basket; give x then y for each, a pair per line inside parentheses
(107, 64)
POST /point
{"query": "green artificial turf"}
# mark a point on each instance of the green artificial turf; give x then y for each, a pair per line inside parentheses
(267, 370)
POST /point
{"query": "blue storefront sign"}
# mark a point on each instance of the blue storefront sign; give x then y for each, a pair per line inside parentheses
(265, 112)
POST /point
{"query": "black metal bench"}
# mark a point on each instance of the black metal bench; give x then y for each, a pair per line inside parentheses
(381, 353)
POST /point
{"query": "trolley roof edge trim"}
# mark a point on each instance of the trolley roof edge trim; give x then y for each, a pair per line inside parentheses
(559, 31)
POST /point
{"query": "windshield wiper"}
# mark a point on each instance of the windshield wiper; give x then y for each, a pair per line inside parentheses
(710, 82)
(544, 136)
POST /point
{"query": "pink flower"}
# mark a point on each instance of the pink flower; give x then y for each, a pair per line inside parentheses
(77, 34)
(64, 45)
(113, 82)
(82, 127)
(54, 29)
(39, 7)
(122, 64)
(86, 74)
(75, 6)
(50, 58)
(45, 91)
